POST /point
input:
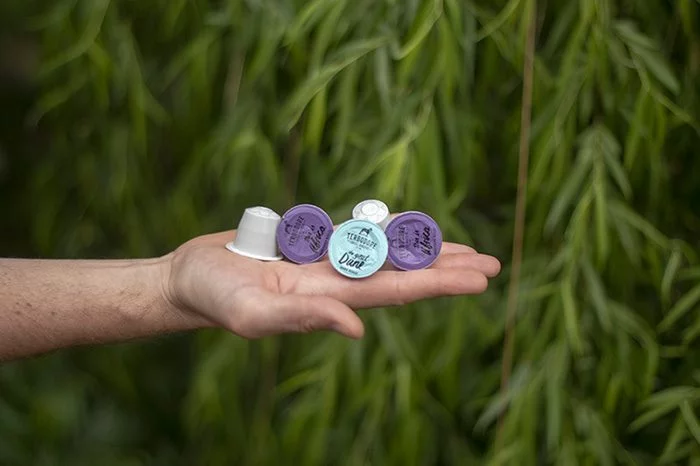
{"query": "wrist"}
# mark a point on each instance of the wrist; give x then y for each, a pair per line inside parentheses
(169, 295)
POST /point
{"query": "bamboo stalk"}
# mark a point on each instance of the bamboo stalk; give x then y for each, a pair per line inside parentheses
(520, 210)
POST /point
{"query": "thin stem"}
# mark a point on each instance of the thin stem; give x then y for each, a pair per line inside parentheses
(523, 161)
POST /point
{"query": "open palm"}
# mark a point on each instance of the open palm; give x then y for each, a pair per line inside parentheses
(255, 299)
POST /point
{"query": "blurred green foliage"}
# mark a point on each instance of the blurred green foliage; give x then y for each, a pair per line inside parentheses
(145, 123)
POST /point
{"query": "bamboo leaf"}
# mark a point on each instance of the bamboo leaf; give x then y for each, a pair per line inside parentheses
(597, 294)
(691, 273)
(324, 36)
(570, 190)
(670, 275)
(675, 437)
(507, 454)
(672, 397)
(601, 215)
(571, 316)
(692, 332)
(682, 307)
(631, 323)
(383, 77)
(310, 15)
(429, 13)
(346, 107)
(497, 22)
(316, 82)
(656, 65)
(629, 32)
(315, 123)
(618, 174)
(57, 97)
(554, 384)
(97, 14)
(690, 420)
(650, 416)
(299, 381)
(640, 224)
(499, 403)
(638, 128)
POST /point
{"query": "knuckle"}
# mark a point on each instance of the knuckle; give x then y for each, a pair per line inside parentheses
(480, 281)
(399, 297)
(307, 324)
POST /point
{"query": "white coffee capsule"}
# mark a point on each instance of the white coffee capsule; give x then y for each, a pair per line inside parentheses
(372, 210)
(256, 236)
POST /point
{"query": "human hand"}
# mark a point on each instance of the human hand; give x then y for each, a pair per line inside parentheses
(254, 299)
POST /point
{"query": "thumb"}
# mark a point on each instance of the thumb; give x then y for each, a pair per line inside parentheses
(306, 314)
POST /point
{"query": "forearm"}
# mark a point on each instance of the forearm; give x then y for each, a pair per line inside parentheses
(51, 304)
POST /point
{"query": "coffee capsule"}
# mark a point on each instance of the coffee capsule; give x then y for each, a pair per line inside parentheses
(304, 233)
(358, 249)
(256, 235)
(415, 241)
(373, 211)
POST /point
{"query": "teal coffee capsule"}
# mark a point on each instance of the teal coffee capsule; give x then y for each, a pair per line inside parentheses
(358, 248)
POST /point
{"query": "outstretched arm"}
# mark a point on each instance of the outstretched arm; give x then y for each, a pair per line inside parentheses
(51, 304)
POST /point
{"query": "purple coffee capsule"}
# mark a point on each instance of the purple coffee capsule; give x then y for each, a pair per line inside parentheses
(415, 241)
(303, 233)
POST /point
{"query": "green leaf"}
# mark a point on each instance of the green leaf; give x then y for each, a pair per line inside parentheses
(557, 367)
(499, 20)
(618, 173)
(315, 123)
(598, 297)
(638, 129)
(499, 403)
(601, 215)
(682, 307)
(346, 108)
(669, 275)
(675, 437)
(383, 77)
(650, 416)
(430, 12)
(690, 420)
(629, 32)
(639, 223)
(53, 99)
(317, 81)
(672, 397)
(97, 14)
(507, 454)
(571, 322)
(324, 35)
(692, 332)
(630, 322)
(568, 193)
(403, 388)
(308, 17)
(655, 63)
(194, 50)
(691, 273)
